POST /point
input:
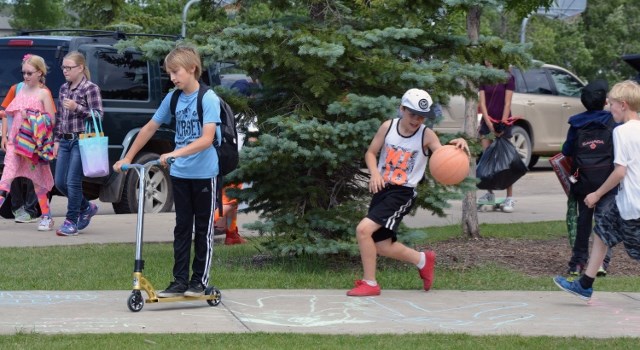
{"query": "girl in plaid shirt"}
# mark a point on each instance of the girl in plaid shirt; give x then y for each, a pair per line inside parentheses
(78, 97)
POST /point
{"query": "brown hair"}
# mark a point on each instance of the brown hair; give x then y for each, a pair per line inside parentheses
(38, 63)
(79, 59)
(186, 57)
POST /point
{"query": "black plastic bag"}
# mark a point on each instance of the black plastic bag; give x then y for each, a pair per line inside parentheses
(500, 166)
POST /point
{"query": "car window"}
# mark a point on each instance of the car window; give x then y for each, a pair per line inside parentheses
(122, 76)
(517, 75)
(11, 68)
(536, 82)
(566, 84)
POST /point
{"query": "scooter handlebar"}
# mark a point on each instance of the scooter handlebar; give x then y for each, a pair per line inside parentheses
(126, 167)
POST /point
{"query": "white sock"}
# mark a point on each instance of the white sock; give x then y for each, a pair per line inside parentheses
(423, 260)
(371, 283)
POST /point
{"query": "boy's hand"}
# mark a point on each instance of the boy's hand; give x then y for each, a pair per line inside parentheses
(460, 143)
(591, 199)
(117, 167)
(376, 183)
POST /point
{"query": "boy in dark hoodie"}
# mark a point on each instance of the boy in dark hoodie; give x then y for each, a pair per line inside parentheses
(594, 98)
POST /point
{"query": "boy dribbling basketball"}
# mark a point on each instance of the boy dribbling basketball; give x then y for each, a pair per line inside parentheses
(402, 144)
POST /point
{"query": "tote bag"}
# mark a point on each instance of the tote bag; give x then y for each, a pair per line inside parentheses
(94, 149)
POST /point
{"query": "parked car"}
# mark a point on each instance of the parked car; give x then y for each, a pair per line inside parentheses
(132, 89)
(544, 99)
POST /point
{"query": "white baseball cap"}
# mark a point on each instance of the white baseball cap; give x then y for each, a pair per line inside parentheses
(418, 102)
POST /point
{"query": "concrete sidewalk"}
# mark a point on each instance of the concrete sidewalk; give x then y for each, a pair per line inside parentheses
(539, 198)
(328, 312)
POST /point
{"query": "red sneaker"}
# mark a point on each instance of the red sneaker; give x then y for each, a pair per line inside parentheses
(363, 289)
(233, 237)
(427, 271)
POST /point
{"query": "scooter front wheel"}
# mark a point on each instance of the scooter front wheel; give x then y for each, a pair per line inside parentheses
(135, 301)
(217, 296)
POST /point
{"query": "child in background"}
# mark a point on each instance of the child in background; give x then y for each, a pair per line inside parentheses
(24, 202)
(621, 224)
(78, 97)
(32, 96)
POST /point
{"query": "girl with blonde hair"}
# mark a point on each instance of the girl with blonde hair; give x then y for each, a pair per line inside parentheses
(33, 96)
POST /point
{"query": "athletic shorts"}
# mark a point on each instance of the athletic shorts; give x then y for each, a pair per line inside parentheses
(613, 229)
(484, 129)
(387, 209)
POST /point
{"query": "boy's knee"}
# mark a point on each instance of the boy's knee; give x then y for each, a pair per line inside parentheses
(363, 232)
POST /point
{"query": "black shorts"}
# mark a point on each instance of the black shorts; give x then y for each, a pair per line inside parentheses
(387, 209)
(484, 129)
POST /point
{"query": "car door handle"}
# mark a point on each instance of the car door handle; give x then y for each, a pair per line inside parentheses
(566, 105)
(531, 103)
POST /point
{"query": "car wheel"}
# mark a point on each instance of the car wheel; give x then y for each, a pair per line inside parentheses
(520, 138)
(158, 191)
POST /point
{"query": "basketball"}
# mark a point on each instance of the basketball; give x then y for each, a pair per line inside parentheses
(449, 165)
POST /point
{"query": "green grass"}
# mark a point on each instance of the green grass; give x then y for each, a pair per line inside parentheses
(283, 341)
(109, 267)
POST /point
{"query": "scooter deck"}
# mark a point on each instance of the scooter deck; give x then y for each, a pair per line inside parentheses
(183, 298)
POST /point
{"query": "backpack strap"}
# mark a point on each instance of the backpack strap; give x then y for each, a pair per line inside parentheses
(174, 101)
(19, 86)
(173, 104)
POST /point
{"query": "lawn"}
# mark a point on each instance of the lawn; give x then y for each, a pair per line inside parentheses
(109, 267)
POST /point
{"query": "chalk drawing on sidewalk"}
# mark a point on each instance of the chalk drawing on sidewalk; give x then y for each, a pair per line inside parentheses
(329, 311)
(44, 298)
(55, 325)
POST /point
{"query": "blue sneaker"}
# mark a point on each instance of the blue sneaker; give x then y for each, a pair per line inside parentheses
(86, 215)
(573, 287)
(68, 228)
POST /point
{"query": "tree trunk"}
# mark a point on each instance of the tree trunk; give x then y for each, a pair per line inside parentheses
(470, 225)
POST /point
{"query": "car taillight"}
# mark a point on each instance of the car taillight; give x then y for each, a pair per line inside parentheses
(20, 42)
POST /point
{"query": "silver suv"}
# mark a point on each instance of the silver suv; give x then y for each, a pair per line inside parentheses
(544, 99)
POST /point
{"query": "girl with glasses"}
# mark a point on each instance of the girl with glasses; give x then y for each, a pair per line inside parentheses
(77, 98)
(32, 99)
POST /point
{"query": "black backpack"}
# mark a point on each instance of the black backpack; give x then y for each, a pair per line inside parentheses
(227, 148)
(593, 157)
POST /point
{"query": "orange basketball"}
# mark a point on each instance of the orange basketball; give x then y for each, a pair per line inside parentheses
(449, 165)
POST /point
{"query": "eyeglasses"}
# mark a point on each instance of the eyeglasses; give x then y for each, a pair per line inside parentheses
(66, 68)
(29, 73)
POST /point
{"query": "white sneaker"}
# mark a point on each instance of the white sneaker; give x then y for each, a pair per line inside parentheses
(46, 223)
(508, 205)
(487, 197)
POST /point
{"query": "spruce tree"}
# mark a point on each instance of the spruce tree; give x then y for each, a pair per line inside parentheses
(331, 72)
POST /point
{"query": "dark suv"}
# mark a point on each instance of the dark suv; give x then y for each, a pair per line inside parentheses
(132, 89)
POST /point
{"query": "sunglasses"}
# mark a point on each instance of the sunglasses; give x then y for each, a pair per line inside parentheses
(27, 73)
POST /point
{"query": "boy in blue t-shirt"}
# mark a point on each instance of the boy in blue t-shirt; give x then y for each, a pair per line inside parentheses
(193, 175)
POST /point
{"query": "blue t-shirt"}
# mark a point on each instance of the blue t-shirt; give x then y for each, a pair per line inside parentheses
(201, 165)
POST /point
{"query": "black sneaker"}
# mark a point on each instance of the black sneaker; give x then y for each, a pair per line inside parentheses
(175, 289)
(195, 290)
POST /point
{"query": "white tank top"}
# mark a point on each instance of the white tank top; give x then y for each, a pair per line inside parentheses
(402, 159)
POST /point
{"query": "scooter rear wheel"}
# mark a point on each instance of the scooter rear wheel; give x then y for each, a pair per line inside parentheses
(135, 301)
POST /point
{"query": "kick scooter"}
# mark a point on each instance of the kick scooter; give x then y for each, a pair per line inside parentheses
(135, 302)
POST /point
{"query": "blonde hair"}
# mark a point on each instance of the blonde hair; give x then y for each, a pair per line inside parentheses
(627, 91)
(186, 57)
(79, 59)
(38, 63)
